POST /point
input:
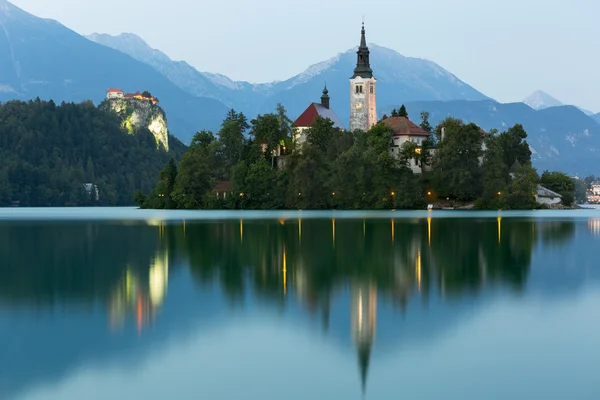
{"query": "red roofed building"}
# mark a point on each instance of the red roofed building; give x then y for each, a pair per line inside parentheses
(114, 93)
(404, 130)
(308, 117)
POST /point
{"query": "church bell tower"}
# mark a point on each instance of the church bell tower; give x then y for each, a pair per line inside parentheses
(363, 90)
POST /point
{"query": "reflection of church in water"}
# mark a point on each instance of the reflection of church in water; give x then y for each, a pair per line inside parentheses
(139, 295)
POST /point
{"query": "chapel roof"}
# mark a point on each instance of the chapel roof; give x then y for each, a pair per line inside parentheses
(403, 126)
(307, 118)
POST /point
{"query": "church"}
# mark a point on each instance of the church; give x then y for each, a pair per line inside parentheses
(363, 99)
(363, 110)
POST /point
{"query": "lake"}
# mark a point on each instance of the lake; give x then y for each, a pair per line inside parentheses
(139, 304)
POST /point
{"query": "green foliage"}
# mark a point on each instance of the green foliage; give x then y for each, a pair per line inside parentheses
(336, 169)
(523, 189)
(402, 112)
(425, 125)
(457, 173)
(515, 146)
(561, 184)
(48, 152)
(494, 175)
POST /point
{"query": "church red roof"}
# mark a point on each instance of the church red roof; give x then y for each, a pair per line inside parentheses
(403, 126)
(307, 118)
(114, 90)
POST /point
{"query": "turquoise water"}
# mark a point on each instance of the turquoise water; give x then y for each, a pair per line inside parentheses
(132, 304)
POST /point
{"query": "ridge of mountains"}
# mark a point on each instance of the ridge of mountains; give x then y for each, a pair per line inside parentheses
(32, 61)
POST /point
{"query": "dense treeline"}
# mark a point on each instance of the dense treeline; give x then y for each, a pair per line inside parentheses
(49, 151)
(350, 170)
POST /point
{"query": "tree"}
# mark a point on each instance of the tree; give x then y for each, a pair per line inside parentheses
(231, 137)
(146, 94)
(402, 112)
(561, 184)
(523, 188)
(457, 171)
(494, 174)
(515, 147)
(425, 125)
(169, 175)
(270, 131)
(196, 175)
(319, 133)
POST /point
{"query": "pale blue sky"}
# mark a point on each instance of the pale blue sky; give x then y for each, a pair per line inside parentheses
(504, 48)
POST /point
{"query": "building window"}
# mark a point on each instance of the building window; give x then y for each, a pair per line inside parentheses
(371, 89)
(359, 89)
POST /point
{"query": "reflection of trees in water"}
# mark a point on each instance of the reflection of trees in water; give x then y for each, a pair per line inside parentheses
(400, 257)
(127, 266)
(47, 262)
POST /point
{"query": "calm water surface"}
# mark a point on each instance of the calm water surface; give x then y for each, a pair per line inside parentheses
(131, 304)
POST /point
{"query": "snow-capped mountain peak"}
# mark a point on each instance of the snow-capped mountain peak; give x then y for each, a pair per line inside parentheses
(539, 100)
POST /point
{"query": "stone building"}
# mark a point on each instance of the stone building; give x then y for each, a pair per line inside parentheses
(363, 90)
(307, 118)
(404, 130)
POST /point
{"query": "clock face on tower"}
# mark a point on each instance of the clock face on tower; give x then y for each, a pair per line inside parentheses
(358, 106)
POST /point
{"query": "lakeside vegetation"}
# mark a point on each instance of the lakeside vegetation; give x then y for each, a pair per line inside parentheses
(49, 152)
(335, 169)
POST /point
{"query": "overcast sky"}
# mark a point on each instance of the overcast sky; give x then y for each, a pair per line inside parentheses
(504, 48)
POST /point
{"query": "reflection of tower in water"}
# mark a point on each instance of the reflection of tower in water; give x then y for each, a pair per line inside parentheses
(363, 298)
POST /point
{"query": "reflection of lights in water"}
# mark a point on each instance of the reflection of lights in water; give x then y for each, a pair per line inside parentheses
(241, 231)
(418, 269)
(158, 279)
(499, 228)
(133, 296)
(299, 230)
(429, 231)
(284, 271)
(594, 226)
(393, 233)
(333, 229)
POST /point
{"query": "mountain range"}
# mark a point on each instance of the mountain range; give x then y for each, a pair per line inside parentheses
(33, 53)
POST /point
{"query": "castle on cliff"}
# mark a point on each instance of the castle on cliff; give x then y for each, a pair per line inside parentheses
(114, 93)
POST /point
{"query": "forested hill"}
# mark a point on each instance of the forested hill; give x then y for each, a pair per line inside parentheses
(49, 152)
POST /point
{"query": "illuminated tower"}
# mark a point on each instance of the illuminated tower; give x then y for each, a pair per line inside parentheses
(363, 90)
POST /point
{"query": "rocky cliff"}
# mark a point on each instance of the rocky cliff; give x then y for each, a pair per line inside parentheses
(136, 113)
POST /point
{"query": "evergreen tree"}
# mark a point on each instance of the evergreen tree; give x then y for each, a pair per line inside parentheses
(425, 125)
(402, 112)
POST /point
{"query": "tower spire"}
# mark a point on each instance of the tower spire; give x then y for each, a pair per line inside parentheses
(363, 66)
(325, 97)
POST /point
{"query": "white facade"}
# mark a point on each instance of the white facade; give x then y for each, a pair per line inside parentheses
(399, 140)
(113, 94)
(363, 103)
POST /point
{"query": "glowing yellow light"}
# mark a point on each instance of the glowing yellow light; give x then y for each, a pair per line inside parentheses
(428, 193)
(429, 231)
(241, 231)
(418, 269)
(241, 194)
(393, 193)
(333, 193)
(418, 151)
(393, 233)
(300, 230)
(499, 228)
(333, 229)
(499, 193)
